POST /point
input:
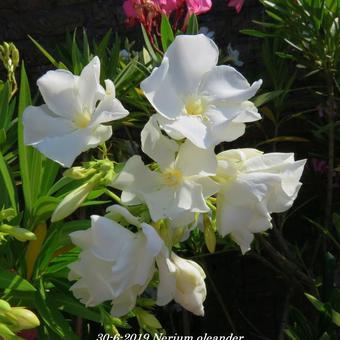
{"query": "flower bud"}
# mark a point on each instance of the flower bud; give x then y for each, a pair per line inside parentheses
(78, 172)
(21, 234)
(190, 287)
(25, 319)
(9, 55)
(4, 306)
(183, 281)
(209, 234)
(72, 201)
(147, 319)
(5, 331)
(15, 56)
(7, 214)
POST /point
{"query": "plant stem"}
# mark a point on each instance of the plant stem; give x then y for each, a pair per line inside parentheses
(220, 299)
(285, 315)
(113, 195)
(289, 266)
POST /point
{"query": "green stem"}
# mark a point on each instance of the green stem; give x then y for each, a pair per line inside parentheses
(113, 196)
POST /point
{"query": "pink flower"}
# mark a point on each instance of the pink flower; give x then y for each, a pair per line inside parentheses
(168, 6)
(134, 8)
(129, 9)
(237, 4)
(198, 6)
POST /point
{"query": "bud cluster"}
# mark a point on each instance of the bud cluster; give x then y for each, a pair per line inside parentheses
(15, 319)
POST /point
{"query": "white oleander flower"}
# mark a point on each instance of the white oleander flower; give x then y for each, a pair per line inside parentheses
(70, 122)
(234, 56)
(183, 281)
(253, 185)
(180, 186)
(195, 98)
(115, 264)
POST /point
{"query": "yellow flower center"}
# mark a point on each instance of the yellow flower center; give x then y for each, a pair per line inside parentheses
(83, 119)
(172, 177)
(195, 106)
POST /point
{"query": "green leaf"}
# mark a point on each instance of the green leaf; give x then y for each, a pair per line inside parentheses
(284, 139)
(55, 63)
(25, 153)
(9, 183)
(72, 306)
(4, 97)
(37, 172)
(9, 280)
(255, 33)
(291, 334)
(103, 45)
(192, 25)
(53, 318)
(336, 317)
(264, 98)
(76, 55)
(167, 35)
(148, 45)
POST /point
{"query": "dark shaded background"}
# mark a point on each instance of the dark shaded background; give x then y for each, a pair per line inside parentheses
(48, 20)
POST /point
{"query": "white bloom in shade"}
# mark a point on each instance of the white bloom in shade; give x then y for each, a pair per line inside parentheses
(70, 122)
(181, 184)
(183, 281)
(205, 30)
(234, 56)
(115, 263)
(253, 185)
(195, 98)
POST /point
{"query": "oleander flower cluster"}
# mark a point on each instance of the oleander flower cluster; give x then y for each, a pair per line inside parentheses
(149, 12)
(197, 106)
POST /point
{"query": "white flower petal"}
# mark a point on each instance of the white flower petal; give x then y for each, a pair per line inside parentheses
(89, 86)
(59, 90)
(40, 122)
(227, 132)
(65, 149)
(190, 57)
(98, 135)
(243, 238)
(109, 238)
(165, 124)
(225, 82)
(192, 128)
(161, 93)
(136, 178)
(160, 203)
(209, 186)
(125, 302)
(158, 147)
(182, 220)
(253, 186)
(117, 211)
(189, 197)
(190, 286)
(183, 65)
(108, 109)
(167, 281)
(247, 113)
(193, 161)
(130, 198)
